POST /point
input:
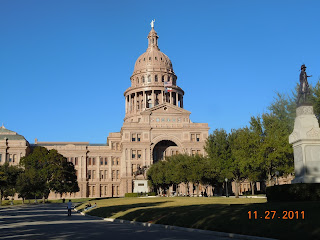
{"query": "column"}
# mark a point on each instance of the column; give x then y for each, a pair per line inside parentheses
(177, 99)
(181, 101)
(126, 105)
(170, 98)
(153, 102)
(142, 108)
(130, 103)
(162, 96)
(135, 102)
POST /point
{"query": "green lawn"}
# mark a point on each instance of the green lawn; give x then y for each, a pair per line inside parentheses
(218, 214)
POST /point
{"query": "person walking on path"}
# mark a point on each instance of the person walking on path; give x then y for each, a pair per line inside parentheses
(69, 207)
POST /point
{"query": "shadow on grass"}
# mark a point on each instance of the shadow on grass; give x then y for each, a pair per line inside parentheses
(232, 218)
(109, 211)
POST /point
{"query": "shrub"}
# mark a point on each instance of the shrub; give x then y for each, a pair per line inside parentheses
(139, 194)
(294, 192)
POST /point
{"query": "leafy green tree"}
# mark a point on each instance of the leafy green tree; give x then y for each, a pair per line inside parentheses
(8, 179)
(158, 176)
(46, 171)
(315, 98)
(276, 150)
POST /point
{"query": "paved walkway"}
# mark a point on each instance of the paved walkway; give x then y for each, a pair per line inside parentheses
(50, 221)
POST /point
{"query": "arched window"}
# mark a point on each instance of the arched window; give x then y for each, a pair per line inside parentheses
(162, 78)
(156, 78)
(143, 79)
(149, 78)
(137, 80)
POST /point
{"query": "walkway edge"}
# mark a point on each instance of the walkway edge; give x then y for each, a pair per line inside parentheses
(161, 226)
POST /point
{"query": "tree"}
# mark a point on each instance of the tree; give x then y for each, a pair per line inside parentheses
(8, 179)
(276, 150)
(46, 171)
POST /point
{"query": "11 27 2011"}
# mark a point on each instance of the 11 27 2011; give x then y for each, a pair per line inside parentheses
(276, 215)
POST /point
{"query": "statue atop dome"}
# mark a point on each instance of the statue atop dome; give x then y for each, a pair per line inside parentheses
(152, 23)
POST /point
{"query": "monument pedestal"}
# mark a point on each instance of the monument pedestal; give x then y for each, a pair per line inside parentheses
(306, 146)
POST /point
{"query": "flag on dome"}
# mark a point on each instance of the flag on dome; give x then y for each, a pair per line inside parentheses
(167, 84)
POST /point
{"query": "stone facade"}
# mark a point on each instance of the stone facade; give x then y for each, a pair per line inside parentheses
(306, 146)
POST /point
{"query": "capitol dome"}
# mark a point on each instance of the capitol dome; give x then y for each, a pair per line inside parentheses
(153, 59)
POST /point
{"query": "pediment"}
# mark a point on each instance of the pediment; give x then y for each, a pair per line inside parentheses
(166, 108)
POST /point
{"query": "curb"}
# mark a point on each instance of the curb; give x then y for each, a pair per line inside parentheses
(169, 227)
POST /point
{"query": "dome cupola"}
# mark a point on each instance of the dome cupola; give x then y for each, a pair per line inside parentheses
(153, 81)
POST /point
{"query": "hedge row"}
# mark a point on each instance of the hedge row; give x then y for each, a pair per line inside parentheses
(139, 194)
(294, 192)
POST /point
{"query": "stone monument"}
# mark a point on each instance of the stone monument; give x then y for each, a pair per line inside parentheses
(305, 138)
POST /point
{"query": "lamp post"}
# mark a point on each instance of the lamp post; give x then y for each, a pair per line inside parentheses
(277, 175)
(226, 179)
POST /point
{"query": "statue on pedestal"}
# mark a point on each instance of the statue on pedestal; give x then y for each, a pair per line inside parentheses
(304, 89)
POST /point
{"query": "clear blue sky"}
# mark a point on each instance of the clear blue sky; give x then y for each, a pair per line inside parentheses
(64, 65)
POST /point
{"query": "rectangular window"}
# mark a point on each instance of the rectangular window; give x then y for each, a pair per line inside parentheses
(76, 173)
(193, 152)
(10, 158)
(101, 161)
(198, 137)
(89, 174)
(192, 137)
(133, 137)
(0, 157)
(101, 174)
(93, 161)
(118, 161)
(133, 154)
(118, 192)
(14, 158)
(105, 190)
(71, 159)
(118, 174)
(75, 161)
(93, 174)
(140, 184)
(112, 146)
(112, 161)
(138, 137)
(113, 174)
(134, 167)
(93, 190)
(106, 174)
(139, 154)
(89, 161)
(105, 161)
(199, 152)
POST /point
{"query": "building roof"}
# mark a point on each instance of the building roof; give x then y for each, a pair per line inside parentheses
(10, 135)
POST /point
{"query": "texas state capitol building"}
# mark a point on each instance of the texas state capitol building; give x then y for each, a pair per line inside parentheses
(155, 125)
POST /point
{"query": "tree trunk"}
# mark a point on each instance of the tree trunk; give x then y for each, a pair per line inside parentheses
(269, 178)
(237, 188)
(252, 188)
(197, 187)
(23, 200)
(43, 199)
(187, 188)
